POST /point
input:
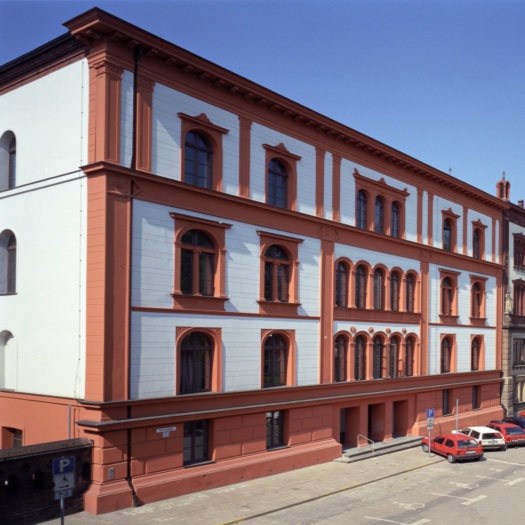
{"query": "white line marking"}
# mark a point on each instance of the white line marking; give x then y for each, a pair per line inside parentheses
(419, 522)
(467, 500)
(469, 486)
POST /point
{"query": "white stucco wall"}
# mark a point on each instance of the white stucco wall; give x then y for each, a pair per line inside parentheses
(46, 316)
(49, 118)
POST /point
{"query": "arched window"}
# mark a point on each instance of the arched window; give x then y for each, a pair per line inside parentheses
(196, 354)
(361, 276)
(476, 300)
(361, 215)
(410, 292)
(340, 358)
(409, 356)
(379, 289)
(379, 356)
(197, 263)
(447, 296)
(276, 274)
(447, 235)
(395, 220)
(275, 361)
(476, 243)
(446, 355)
(341, 285)
(198, 160)
(360, 358)
(475, 354)
(277, 184)
(7, 161)
(395, 280)
(7, 262)
(393, 358)
(379, 215)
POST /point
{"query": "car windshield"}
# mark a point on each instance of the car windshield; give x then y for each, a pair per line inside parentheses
(514, 431)
(466, 443)
(495, 435)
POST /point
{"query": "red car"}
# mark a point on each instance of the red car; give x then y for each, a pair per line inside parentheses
(455, 447)
(513, 434)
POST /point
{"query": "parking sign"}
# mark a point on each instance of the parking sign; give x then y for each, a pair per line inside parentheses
(64, 476)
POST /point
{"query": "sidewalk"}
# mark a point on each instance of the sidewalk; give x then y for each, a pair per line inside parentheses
(239, 502)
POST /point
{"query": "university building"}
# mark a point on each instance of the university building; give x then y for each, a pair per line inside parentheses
(214, 283)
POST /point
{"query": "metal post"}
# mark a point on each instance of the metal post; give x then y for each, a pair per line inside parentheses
(429, 443)
(61, 511)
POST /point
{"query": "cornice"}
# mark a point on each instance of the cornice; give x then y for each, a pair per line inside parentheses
(96, 26)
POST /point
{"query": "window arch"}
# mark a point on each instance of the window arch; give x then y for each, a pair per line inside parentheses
(340, 358)
(378, 371)
(277, 271)
(379, 215)
(394, 357)
(197, 263)
(7, 161)
(277, 184)
(202, 156)
(475, 354)
(8, 361)
(476, 243)
(446, 355)
(198, 160)
(8, 249)
(410, 292)
(360, 358)
(342, 275)
(477, 300)
(379, 289)
(200, 263)
(447, 296)
(395, 286)
(361, 277)
(275, 361)
(410, 354)
(361, 212)
(395, 220)
(196, 360)
(447, 235)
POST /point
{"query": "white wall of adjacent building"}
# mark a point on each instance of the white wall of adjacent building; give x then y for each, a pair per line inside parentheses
(47, 213)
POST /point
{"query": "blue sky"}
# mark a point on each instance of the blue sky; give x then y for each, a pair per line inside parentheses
(440, 80)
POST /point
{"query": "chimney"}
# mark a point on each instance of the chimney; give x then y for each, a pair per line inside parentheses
(520, 204)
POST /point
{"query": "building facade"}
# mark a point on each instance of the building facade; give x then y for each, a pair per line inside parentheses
(214, 283)
(513, 364)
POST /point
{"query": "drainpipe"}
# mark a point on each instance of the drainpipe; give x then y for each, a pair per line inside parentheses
(138, 51)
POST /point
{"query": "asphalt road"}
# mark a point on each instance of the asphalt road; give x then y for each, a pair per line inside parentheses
(489, 491)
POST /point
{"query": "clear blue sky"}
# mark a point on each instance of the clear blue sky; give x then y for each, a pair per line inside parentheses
(440, 80)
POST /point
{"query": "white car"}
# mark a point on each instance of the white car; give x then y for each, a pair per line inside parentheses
(487, 437)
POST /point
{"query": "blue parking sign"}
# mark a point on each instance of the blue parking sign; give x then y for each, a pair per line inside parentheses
(430, 412)
(65, 465)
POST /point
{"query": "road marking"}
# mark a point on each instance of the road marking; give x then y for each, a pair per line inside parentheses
(419, 522)
(469, 486)
(507, 482)
(466, 501)
(409, 506)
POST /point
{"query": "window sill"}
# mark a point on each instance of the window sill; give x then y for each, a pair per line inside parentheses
(449, 319)
(478, 321)
(198, 302)
(278, 308)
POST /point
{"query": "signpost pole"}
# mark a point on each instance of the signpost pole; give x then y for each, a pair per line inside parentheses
(62, 511)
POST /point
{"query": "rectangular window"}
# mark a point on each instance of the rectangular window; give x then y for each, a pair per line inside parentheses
(447, 407)
(12, 438)
(274, 429)
(476, 397)
(519, 353)
(196, 440)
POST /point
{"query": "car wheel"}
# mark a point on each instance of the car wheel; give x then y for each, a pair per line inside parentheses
(451, 458)
(424, 447)
(477, 459)
(504, 448)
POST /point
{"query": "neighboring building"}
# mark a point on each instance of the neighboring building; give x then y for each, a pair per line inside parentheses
(513, 365)
(215, 283)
